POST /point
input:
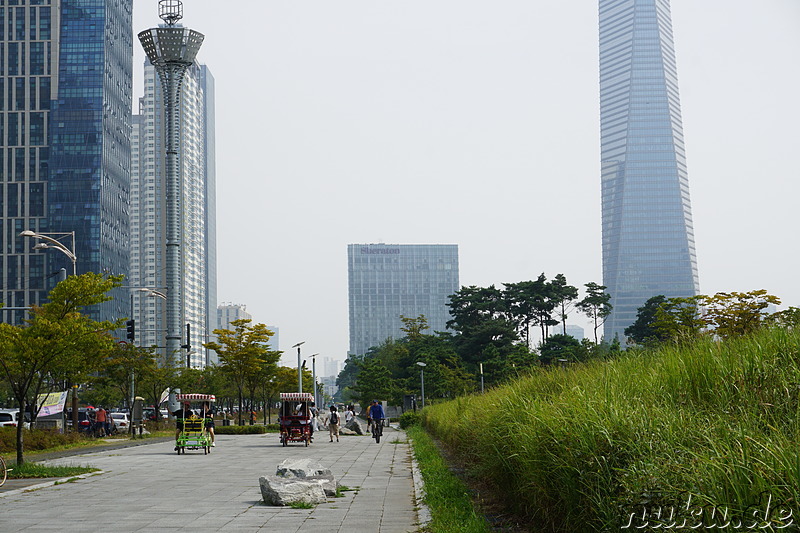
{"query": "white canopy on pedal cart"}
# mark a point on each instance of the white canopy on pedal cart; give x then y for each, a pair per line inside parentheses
(297, 397)
(195, 398)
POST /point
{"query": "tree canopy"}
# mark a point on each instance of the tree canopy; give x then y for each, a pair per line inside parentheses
(58, 343)
(243, 353)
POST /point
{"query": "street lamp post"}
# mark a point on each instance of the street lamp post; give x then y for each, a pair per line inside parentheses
(314, 377)
(55, 244)
(299, 368)
(422, 380)
(172, 49)
(151, 293)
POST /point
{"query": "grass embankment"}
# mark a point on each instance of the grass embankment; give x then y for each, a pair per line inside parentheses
(446, 496)
(699, 431)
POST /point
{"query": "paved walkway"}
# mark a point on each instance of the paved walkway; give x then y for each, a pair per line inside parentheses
(151, 488)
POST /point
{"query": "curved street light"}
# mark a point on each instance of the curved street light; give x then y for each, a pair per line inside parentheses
(54, 244)
(153, 293)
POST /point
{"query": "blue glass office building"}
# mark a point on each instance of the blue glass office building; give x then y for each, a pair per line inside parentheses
(648, 238)
(66, 86)
(389, 280)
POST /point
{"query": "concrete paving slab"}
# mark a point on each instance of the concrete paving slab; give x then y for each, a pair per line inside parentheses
(155, 489)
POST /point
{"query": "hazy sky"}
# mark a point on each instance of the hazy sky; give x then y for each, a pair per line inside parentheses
(475, 123)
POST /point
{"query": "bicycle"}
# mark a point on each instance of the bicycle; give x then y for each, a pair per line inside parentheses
(377, 430)
(3, 472)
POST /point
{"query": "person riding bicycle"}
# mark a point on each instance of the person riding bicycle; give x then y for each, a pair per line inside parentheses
(376, 413)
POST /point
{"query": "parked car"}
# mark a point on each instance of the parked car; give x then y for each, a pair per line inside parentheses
(121, 422)
(10, 418)
(84, 421)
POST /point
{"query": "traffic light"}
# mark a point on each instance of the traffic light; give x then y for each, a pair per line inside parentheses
(188, 346)
(131, 328)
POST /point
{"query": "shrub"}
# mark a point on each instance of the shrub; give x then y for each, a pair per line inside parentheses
(37, 439)
(408, 419)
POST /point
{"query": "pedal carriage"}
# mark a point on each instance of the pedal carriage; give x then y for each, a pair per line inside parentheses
(295, 417)
(193, 432)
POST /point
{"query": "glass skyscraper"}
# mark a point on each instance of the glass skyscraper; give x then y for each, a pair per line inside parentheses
(65, 101)
(648, 238)
(148, 216)
(389, 280)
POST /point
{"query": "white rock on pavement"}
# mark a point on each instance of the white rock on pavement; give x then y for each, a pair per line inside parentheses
(301, 468)
(276, 490)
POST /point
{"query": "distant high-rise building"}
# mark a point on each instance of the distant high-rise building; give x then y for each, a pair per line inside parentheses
(389, 280)
(274, 341)
(148, 216)
(648, 238)
(576, 332)
(65, 101)
(227, 313)
(331, 367)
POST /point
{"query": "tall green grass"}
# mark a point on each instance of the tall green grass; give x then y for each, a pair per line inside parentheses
(446, 496)
(711, 424)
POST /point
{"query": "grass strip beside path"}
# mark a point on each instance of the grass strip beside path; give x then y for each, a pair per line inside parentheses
(445, 494)
(35, 470)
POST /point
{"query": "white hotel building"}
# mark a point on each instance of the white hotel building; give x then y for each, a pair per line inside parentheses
(148, 216)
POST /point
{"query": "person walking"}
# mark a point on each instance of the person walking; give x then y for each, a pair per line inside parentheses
(313, 412)
(100, 421)
(333, 423)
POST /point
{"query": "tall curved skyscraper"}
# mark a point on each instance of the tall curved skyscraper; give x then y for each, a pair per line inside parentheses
(648, 238)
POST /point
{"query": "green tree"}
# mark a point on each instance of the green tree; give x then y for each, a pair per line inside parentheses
(347, 378)
(788, 318)
(258, 383)
(472, 306)
(595, 305)
(374, 382)
(453, 379)
(413, 327)
(563, 295)
(58, 342)
(643, 330)
(529, 303)
(283, 380)
(735, 314)
(126, 364)
(241, 352)
(482, 322)
(560, 346)
(679, 319)
(154, 382)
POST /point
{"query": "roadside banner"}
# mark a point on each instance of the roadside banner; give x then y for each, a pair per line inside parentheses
(52, 403)
(164, 396)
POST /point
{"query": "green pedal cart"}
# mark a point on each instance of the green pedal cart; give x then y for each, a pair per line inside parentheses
(192, 432)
